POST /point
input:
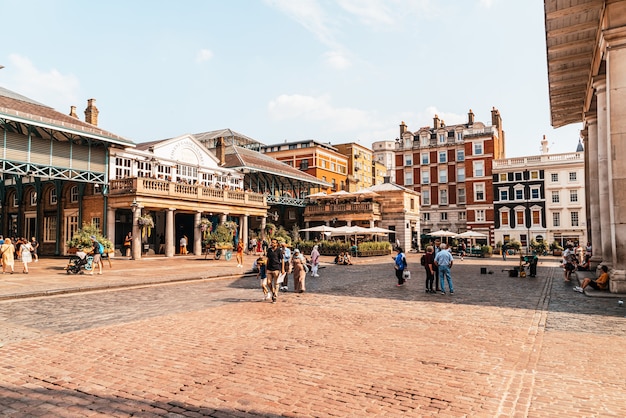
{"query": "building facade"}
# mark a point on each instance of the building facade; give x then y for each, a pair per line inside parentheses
(590, 37)
(451, 167)
(360, 165)
(385, 154)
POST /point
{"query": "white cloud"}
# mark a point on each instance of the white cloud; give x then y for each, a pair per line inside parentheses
(204, 55)
(369, 11)
(318, 109)
(486, 3)
(337, 60)
(50, 88)
(310, 15)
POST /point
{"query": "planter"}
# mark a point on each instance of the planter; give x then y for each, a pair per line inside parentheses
(557, 252)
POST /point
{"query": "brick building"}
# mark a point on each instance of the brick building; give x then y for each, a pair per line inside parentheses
(451, 167)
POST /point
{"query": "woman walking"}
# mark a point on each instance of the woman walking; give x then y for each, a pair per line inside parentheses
(400, 265)
(429, 266)
(299, 271)
(8, 255)
(26, 254)
(315, 261)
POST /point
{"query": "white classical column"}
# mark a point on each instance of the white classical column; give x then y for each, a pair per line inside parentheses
(263, 225)
(136, 244)
(592, 191)
(197, 234)
(223, 218)
(616, 135)
(307, 235)
(603, 173)
(111, 225)
(169, 233)
(244, 230)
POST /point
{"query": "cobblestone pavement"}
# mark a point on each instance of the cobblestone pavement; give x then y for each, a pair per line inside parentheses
(353, 345)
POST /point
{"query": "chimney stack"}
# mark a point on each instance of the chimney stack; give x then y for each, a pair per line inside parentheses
(496, 120)
(73, 112)
(470, 118)
(402, 128)
(91, 113)
(436, 122)
(220, 150)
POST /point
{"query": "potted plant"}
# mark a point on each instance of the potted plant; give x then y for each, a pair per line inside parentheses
(82, 239)
(556, 248)
(146, 223)
(486, 250)
(205, 228)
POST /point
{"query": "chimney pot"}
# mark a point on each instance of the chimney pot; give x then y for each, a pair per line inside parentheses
(73, 112)
(91, 113)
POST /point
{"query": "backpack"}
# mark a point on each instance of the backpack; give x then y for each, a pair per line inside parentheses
(100, 248)
(423, 260)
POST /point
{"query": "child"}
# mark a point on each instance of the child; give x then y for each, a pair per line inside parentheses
(262, 276)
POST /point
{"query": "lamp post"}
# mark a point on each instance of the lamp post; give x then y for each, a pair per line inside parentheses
(135, 252)
(528, 214)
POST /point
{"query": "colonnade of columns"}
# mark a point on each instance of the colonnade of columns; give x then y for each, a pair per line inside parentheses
(605, 130)
(170, 232)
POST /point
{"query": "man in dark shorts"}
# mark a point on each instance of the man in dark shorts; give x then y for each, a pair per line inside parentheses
(601, 283)
(275, 267)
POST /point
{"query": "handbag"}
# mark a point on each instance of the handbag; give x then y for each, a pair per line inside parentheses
(281, 278)
(406, 275)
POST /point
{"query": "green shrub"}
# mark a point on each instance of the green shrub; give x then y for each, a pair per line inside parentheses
(82, 238)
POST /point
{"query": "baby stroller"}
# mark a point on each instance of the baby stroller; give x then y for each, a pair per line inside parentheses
(78, 262)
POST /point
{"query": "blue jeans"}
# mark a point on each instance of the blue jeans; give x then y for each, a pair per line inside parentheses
(444, 273)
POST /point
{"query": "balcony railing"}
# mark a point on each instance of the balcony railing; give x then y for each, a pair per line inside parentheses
(364, 207)
(143, 186)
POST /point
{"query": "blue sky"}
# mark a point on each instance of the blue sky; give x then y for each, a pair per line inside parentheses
(331, 70)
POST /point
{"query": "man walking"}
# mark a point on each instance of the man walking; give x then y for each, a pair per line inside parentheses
(444, 262)
(275, 267)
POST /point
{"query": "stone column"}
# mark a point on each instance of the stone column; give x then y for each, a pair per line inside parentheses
(169, 232)
(197, 234)
(223, 218)
(111, 225)
(603, 174)
(263, 225)
(135, 250)
(616, 138)
(592, 192)
(244, 230)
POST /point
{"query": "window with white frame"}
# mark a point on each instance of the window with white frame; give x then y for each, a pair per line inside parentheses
(443, 175)
(460, 195)
(53, 196)
(460, 174)
(504, 195)
(574, 218)
(554, 177)
(408, 160)
(518, 176)
(556, 219)
(519, 194)
(572, 176)
(534, 175)
(408, 178)
(425, 216)
(459, 136)
(503, 177)
(144, 169)
(186, 173)
(480, 215)
(73, 194)
(479, 168)
(479, 191)
(536, 216)
(460, 155)
(504, 218)
(425, 176)
(96, 222)
(425, 140)
(123, 167)
(444, 216)
(442, 138)
(443, 156)
(443, 197)
(462, 216)
(33, 198)
(519, 217)
(534, 193)
(573, 196)
(425, 158)
(50, 229)
(164, 172)
(425, 197)
(478, 148)
(556, 197)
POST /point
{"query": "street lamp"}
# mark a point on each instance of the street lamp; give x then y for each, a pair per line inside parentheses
(529, 220)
